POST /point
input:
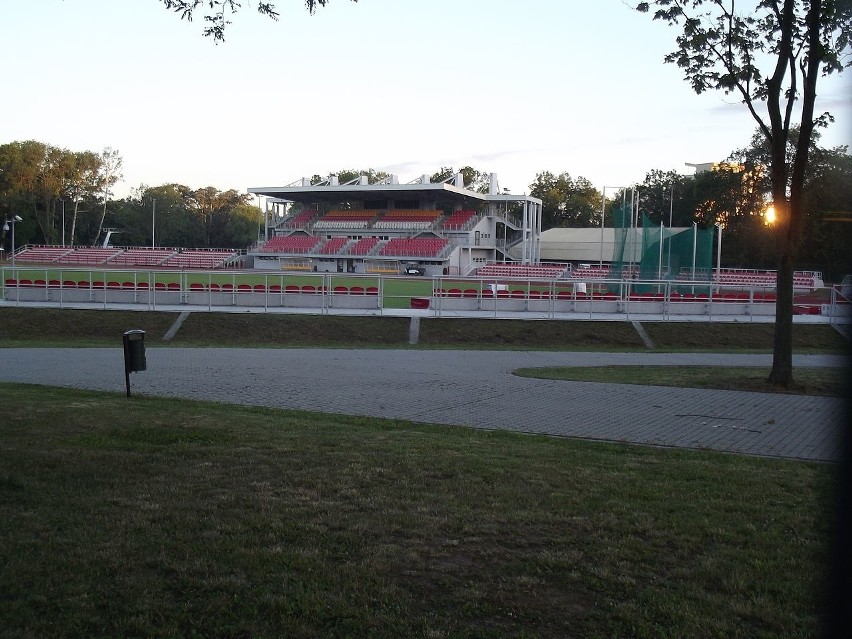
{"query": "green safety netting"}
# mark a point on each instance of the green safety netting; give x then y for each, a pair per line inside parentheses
(654, 252)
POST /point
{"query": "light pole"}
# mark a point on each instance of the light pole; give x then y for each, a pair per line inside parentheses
(11, 224)
(63, 221)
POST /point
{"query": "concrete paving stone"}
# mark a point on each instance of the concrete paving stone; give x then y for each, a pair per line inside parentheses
(469, 388)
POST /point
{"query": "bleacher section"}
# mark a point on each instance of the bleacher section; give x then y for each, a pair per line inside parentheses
(334, 245)
(359, 219)
(364, 246)
(142, 256)
(414, 247)
(199, 258)
(301, 220)
(802, 280)
(291, 244)
(548, 271)
(41, 254)
(88, 255)
(459, 220)
(408, 220)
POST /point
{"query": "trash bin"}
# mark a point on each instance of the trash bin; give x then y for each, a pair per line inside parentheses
(134, 350)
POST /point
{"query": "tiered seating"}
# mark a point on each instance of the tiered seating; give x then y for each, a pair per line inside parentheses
(334, 245)
(408, 219)
(200, 258)
(41, 253)
(140, 256)
(291, 244)
(413, 247)
(364, 246)
(744, 277)
(548, 271)
(591, 273)
(459, 220)
(360, 219)
(88, 255)
(301, 220)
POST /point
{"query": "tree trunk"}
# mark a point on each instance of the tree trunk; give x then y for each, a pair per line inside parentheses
(782, 349)
(74, 220)
(101, 222)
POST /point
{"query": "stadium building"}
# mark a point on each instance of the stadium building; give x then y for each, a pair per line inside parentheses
(420, 227)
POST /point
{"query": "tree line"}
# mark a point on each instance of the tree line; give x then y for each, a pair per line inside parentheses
(65, 197)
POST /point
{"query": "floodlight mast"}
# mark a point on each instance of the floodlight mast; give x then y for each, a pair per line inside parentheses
(10, 224)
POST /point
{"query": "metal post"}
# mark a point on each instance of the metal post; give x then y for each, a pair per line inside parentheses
(719, 255)
(660, 262)
(671, 208)
(153, 216)
(694, 247)
(63, 222)
(603, 214)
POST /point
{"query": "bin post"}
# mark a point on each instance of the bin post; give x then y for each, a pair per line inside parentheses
(134, 354)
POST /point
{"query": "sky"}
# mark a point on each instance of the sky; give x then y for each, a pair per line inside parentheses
(510, 87)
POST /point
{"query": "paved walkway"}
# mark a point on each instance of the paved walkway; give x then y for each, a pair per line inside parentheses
(468, 388)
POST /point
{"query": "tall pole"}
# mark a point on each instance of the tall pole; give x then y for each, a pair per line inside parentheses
(153, 217)
(660, 261)
(603, 214)
(719, 255)
(671, 208)
(694, 246)
(63, 222)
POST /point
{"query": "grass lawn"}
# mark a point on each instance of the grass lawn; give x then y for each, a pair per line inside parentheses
(827, 382)
(172, 518)
(21, 326)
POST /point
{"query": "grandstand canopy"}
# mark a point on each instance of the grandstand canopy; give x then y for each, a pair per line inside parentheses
(422, 190)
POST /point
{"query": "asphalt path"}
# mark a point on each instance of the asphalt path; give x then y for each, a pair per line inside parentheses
(468, 388)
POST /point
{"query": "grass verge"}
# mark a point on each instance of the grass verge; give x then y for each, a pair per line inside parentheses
(158, 517)
(28, 327)
(826, 382)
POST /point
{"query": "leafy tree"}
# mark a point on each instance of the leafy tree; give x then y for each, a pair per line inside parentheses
(566, 201)
(798, 40)
(110, 173)
(373, 176)
(471, 178)
(218, 12)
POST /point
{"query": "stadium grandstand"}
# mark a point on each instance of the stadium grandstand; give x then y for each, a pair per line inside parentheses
(130, 256)
(440, 228)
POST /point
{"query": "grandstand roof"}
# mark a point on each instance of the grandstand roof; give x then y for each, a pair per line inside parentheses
(331, 192)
